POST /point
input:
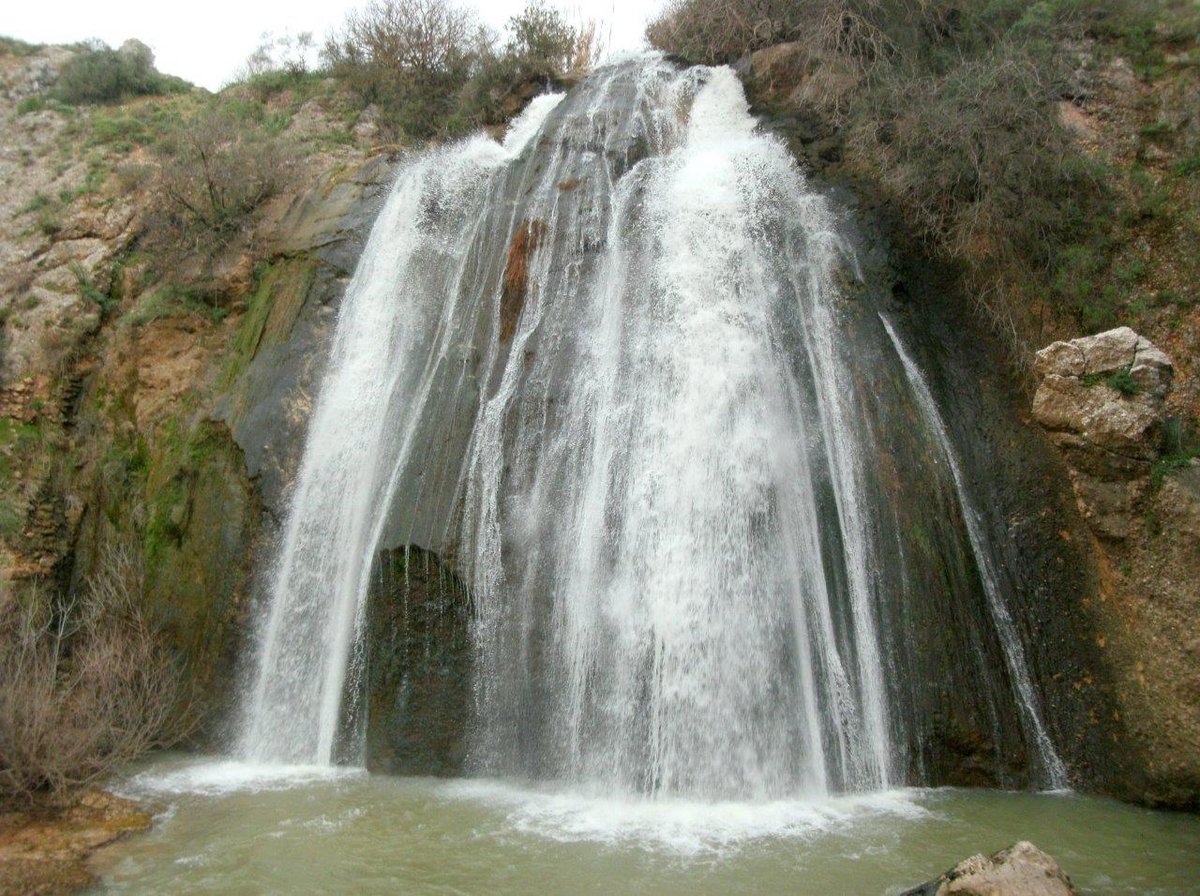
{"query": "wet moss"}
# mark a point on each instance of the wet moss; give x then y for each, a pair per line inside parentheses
(271, 311)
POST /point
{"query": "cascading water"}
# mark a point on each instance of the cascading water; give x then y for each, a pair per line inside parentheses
(358, 436)
(1055, 772)
(605, 368)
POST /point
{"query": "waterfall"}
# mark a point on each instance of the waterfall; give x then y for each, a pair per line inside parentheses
(608, 368)
(360, 431)
(1054, 772)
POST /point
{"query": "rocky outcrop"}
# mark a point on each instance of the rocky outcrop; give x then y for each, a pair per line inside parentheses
(43, 851)
(1020, 870)
(278, 352)
(1102, 399)
(159, 404)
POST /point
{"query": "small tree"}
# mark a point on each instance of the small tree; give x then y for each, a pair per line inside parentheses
(541, 42)
(218, 168)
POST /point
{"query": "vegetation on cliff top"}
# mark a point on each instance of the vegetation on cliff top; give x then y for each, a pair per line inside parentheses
(959, 114)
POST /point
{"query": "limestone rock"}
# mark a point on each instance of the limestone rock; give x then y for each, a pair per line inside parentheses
(1078, 399)
(1020, 870)
(1102, 399)
(44, 851)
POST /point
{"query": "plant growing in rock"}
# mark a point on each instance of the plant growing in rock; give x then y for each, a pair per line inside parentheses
(215, 170)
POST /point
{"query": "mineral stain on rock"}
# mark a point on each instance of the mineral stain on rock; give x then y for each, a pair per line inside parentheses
(516, 274)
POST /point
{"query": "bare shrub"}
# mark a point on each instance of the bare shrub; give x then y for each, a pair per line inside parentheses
(216, 169)
(591, 43)
(287, 53)
(88, 683)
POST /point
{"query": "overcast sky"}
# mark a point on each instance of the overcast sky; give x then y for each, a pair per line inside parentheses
(207, 41)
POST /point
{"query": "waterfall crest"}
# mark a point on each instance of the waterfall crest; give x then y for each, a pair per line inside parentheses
(609, 368)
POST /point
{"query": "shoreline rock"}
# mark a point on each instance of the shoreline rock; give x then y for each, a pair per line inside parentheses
(44, 850)
(1020, 870)
(1102, 400)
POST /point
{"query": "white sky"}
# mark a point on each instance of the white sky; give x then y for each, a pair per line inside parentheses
(207, 41)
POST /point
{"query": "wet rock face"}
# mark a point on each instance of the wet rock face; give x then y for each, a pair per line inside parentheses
(418, 665)
(1102, 400)
(1020, 870)
(290, 320)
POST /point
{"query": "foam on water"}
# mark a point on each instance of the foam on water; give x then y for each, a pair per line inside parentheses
(680, 826)
(216, 776)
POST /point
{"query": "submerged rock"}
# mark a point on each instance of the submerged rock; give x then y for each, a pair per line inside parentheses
(1020, 870)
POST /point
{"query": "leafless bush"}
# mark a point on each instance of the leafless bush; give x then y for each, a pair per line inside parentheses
(591, 43)
(714, 32)
(88, 683)
(216, 169)
(287, 53)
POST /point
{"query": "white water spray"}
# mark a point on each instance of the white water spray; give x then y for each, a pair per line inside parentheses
(602, 367)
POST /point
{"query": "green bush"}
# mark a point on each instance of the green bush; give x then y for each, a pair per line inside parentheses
(541, 43)
(10, 46)
(100, 74)
(410, 58)
(433, 70)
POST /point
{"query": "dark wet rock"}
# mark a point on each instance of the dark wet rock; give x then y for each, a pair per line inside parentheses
(418, 665)
(1020, 870)
(289, 321)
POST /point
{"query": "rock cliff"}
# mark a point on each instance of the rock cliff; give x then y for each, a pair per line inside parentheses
(1103, 401)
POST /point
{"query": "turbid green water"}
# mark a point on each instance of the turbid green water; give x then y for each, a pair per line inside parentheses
(226, 828)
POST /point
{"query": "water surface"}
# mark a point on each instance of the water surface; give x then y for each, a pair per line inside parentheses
(229, 828)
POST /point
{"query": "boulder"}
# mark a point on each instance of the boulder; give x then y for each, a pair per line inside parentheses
(1102, 399)
(1107, 389)
(1020, 870)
